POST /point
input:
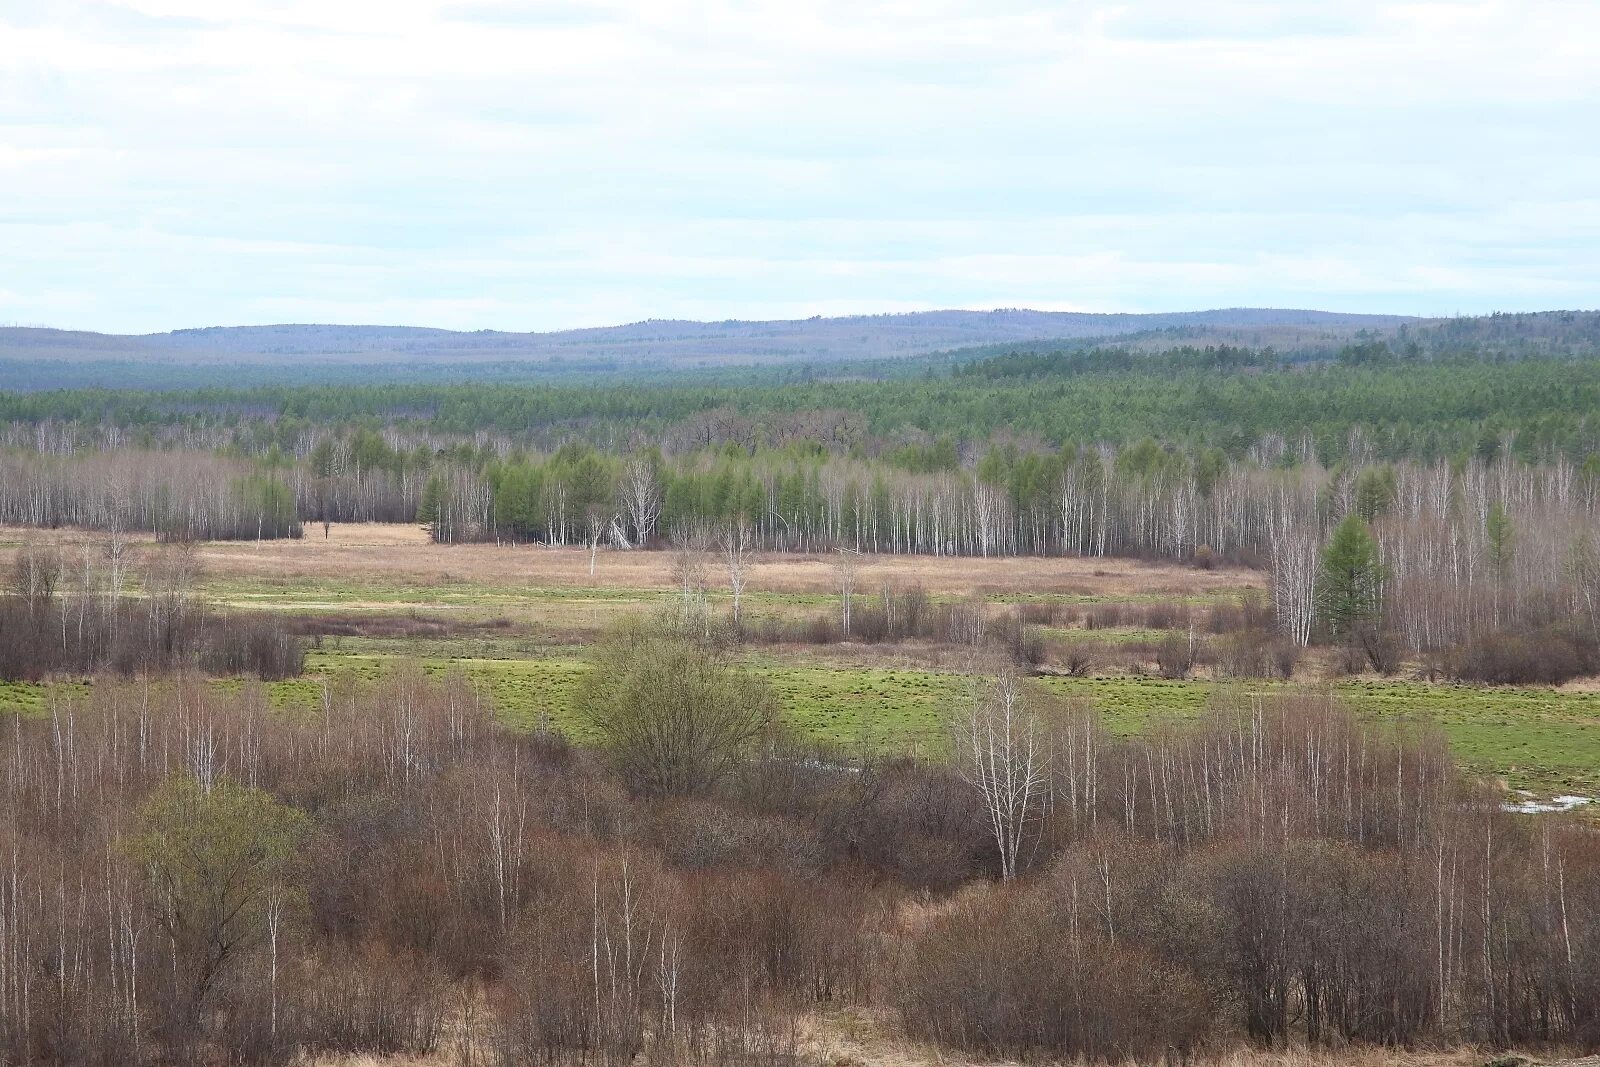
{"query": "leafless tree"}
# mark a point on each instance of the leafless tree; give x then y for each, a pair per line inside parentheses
(1002, 751)
(689, 570)
(599, 522)
(1294, 561)
(1585, 571)
(736, 559)
(641, 497)
(846, 566)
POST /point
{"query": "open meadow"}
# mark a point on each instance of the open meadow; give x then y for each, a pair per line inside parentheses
(515, 619)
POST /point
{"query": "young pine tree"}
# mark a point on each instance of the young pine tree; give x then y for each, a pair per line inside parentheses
(1499, 537)
(1352, 579)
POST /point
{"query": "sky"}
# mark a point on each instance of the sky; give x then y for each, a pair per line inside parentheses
(530, 166)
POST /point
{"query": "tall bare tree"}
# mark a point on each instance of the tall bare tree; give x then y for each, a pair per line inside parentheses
(598, 523)
(641, 497)
(689, 570)
(736, 540)
(1002, 751)
(846, 566)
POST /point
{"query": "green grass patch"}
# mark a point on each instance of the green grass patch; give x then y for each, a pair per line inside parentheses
(1538, 739)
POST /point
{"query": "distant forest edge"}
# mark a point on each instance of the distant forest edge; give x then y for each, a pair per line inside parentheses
(1400, 397)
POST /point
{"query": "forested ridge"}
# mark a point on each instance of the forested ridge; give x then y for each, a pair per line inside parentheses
(1224, 397)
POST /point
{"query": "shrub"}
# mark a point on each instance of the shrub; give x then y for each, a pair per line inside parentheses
(1102, 616)
(369, 1000)
(1256, 654)
(1177, 655)
(1549, 656)
(1166, 615)
(980, 978)
(257, 645)
(674, 714)
(1077, 657)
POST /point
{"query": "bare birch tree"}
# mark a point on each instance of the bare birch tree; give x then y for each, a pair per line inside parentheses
(641, 497)
(1002, 752)
(845, 568)
(598, 523)
(736, 559)
(689, 571)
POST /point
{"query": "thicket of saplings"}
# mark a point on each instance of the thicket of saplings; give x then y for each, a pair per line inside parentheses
(195, 879)
(65, 613)
(1235, 638)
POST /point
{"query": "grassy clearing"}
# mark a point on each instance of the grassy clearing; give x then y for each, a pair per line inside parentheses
(1545, 740)
(1539, 739)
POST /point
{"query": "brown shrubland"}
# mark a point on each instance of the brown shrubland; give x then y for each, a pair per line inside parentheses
(1278, 875)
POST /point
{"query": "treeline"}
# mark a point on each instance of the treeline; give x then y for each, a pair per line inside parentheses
(176, 496)
(1456, 549)
(1459, 548)
(1075, 362)
(188, 876)
(1365, 351)
(1143, 500)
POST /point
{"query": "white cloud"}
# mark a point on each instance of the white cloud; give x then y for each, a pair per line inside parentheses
(535, 165)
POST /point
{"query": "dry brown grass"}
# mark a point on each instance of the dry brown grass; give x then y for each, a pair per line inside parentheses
(437, 1059)
(858, 1038)
(1356, 1057)
(402, 553)
(866, 1038)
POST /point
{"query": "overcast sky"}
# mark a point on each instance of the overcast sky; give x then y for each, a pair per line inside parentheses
(488, 163)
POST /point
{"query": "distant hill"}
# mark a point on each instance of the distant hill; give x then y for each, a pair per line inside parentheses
(660, 351)
(666, 343)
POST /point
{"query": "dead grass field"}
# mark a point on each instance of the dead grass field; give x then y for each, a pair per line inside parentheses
(868, 1039)
(401, 554)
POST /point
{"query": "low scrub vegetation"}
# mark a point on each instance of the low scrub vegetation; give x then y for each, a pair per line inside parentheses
(74, 617)
(1546, 656)
(189, 878)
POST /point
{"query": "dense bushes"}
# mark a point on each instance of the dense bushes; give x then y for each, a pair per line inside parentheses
(440, 855)
(128, 638)
(258, 645)
(1277, 872)
(1255, 654)
(1021, 973)
(1547, 656)
(1281, 875)
(71, 615)
(896, 614)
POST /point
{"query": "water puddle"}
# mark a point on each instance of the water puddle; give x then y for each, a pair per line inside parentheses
(1528, 804)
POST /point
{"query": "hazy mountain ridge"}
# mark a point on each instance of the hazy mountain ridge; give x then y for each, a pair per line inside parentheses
(663, 351)
(672, 341)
